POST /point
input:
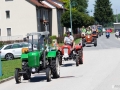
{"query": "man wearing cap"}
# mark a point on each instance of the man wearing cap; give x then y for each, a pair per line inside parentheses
(69, 39)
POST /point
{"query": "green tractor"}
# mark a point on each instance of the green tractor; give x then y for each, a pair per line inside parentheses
(41, 60)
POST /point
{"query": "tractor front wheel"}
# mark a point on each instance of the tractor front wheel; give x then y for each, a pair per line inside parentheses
(55, 66)
(77, 61)
(48, 74)
(80, 52)
(17, 75)
(95, 42)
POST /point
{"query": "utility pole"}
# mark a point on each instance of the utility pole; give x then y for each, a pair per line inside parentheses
(116, 17)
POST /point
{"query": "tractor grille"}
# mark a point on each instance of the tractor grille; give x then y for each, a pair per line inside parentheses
(65, 50)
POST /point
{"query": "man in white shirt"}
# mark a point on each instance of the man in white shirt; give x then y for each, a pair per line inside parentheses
(117, 33)
(69, 39)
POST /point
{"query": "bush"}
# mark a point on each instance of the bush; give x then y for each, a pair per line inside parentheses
(53, 37)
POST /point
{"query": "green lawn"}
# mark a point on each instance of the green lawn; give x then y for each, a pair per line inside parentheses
(8, 67)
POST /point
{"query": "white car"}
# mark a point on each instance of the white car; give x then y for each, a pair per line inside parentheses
(104, 30)
(11, 51)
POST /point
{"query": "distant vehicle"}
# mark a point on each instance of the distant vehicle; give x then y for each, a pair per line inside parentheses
(109, 30)
(104, 30)
(11, 51)
(100, 27)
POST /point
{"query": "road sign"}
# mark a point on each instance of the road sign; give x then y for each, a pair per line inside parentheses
(0, 66)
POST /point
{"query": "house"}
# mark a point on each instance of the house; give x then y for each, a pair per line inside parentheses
(116, 26)
(19, 17)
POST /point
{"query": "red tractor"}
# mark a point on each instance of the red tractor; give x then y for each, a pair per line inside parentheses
(66, 52)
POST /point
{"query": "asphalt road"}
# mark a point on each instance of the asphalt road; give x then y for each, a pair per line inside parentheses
(100, 71)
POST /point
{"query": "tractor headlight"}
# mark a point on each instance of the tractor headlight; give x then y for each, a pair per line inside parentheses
(23, 63)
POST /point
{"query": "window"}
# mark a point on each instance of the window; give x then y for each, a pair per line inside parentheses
(16, 46)
(25, 45)
(8, 0)
(7, 14)
(8, 31)
(8, 47)
(0, 32)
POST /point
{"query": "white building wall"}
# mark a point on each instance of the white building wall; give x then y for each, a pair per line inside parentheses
(54, 22)
(22, 17)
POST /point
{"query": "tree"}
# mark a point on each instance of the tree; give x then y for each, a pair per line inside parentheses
(118, 17)
(103, 12)
(78, 20)
(80, 5)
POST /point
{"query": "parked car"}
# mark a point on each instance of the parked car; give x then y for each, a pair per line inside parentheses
(11, 51)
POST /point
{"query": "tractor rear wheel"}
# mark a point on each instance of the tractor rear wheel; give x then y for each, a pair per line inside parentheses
(55, 67)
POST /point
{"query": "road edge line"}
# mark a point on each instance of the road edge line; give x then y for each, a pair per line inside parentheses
(7, 79)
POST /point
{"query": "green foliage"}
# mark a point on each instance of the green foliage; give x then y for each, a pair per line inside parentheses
(118, 16)
(78, 19)
(53, 37)
(103, 11)
(80, 5)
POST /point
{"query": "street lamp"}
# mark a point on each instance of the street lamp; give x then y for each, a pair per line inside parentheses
(70, 17)
(71, 14)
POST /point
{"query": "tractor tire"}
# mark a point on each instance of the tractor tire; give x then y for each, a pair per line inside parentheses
(55, 67)
(77, 61)
(80, 53)
(60, 59)
(83, 43)
(17, 75)
(48, 74)
(27, 75)
(95, 42)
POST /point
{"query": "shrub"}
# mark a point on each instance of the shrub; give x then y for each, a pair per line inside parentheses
(53, 37)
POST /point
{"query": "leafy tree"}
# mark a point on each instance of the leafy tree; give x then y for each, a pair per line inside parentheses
(103, 12)
(80, 5)
(118, 16)
(78, 20)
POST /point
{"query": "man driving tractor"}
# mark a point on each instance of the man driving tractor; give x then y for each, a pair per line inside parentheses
(83, 30)
(69, 39)
(89, 31)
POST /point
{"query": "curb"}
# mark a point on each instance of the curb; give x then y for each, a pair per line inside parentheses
(4, 80)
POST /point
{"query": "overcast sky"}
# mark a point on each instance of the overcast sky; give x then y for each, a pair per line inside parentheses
(115, 5)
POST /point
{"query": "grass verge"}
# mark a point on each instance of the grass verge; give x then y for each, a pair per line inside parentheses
(8, 68)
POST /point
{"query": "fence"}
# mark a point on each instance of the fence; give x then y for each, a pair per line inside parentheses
(11, 38)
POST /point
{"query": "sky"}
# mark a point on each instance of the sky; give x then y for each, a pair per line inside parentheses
(115, 6)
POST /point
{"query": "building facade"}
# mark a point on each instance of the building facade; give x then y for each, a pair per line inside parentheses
(19, 17)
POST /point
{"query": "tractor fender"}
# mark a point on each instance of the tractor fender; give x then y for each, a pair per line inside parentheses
(24, 56)
(52, 54)
(78, 47)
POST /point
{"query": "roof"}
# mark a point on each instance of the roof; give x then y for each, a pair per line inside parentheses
(38, 33)
(54, 4)
(116, 23)
(39, 4)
